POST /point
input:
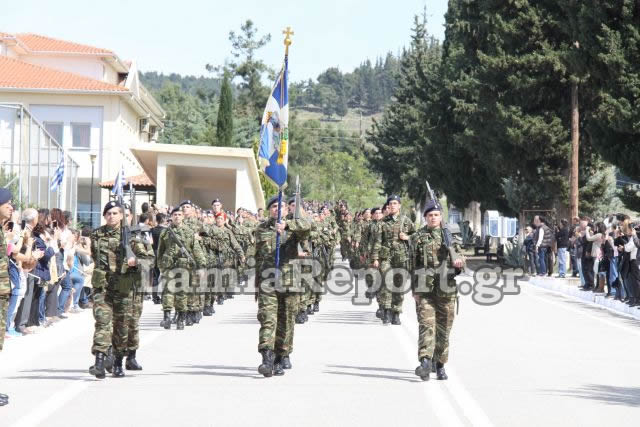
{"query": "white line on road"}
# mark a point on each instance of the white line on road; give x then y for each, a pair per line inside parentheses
(47, 408)
(582, 312)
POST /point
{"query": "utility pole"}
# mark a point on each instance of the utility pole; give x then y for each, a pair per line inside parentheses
(575, 146)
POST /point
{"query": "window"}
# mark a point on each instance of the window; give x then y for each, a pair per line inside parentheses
(55, 130)
(81, 134)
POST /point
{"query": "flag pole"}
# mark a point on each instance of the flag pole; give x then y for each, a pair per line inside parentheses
(287, 42)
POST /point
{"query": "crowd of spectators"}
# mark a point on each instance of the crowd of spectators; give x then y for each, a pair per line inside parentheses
(602, 254)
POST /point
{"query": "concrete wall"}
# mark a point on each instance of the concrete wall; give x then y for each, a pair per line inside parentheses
(91, 67)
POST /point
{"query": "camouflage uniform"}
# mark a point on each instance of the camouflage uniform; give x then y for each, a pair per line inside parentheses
(391, 252)
(244, 236)
(112, 282)
(143, 251)
(229, 251)
(436, 304)
(211, 244)
(373, 233)
(277, 309)
(170, 257)
(195, 300)
(5, 286)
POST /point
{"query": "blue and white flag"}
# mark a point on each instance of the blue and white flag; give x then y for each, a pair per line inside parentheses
(58, 176)
(274, 131)
(119, 184)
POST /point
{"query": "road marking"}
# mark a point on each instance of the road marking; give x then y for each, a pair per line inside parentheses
(575, 310)
(463, 399)
(61, 397)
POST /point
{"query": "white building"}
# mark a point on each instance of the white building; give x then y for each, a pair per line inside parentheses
(87, 98)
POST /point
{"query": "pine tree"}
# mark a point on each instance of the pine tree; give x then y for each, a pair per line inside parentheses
(224, 129)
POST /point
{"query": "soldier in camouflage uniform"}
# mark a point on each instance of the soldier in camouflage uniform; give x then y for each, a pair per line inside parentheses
(244, 235)
(435, 301)
(143, 250)
(304, 248)
(391, 250)
(228, 249)
(277, 303)
(209, 244)
(346, 230)
(6, 210)
(194, 299)
(373, 233)
(112, 282)
(187, 257)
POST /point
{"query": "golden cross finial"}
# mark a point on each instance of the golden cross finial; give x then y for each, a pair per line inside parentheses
(287, 38)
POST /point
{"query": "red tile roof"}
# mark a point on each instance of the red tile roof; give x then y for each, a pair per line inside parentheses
(40, 44)
(139, 181)
(21, 75)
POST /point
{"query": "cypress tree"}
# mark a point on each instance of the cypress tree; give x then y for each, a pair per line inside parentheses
(224, 127)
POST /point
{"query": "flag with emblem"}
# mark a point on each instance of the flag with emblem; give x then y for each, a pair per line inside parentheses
(119, 184)
(274, 131)
(58, 176)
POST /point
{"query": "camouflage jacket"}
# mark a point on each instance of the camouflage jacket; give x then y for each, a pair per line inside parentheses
(429, 250)
(143, 250)
(5, 283)
(387, 245)
(296, 232)
(229, 246)
(170, 254)
(108, 257)
(374, 229)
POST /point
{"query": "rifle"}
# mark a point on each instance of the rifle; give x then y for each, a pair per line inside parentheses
(183, 249)
(125, 236)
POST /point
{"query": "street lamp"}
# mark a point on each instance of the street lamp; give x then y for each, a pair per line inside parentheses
(92, 157)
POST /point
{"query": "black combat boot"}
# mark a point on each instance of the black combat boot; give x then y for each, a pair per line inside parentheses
(433, 365)
(4, 399)
(131, 363)
(395, 319)
(175, 318)
(316, 307)
(98, 368)
(305, 316)
(379, 313)
(277, 367)
(220, 300)
(207, 311)
(266, 367)
(117, 367)
(189, 318)
(424, 369)
(166, 321)
(386, 317)
(180, 321)
(196, 317)
(108, 360)
(285, 361)
(299, 319)
(309, 310)
(440, 372)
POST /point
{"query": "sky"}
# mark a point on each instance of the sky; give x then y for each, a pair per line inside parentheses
(183, 36)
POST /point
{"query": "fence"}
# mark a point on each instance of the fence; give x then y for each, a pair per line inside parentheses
(29, 157)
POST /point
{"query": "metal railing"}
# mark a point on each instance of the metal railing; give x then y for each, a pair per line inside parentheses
(29, 157)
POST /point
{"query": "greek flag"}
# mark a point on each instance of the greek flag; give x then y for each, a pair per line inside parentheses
(274, 131)
(119, 184)
(58, 176)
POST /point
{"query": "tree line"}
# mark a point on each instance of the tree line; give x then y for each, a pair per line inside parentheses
(485, 115)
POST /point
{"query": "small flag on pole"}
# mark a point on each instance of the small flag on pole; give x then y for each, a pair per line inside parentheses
(58, 175)
(119, 184)
(274, 131)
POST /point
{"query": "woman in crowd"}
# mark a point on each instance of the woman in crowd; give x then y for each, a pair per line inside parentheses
(43, 242)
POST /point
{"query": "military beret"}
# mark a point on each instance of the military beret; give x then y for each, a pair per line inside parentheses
(110, 205)
(222, 214)
(392, 198)
(374, 210)
(291, 200)
(432, 205)
(185, 202)
(216, 200)
(176, 209)
(5, 196)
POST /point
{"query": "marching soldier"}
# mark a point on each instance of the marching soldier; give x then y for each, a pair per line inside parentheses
(391, 250)
(434, 290)
(228, 249)
(178, 249)
(277, 303)
(375, 227)
(112, 282)
(194, 300)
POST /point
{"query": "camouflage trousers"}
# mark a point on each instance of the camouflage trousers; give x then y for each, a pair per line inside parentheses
(435, 311)
(111, 310)
(276, 314)
(4, 307)
(390, 295)
(133, 320)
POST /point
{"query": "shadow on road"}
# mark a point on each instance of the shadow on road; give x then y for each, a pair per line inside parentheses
(346, 317)
(612, 395)
(213, 370)
(370, 372)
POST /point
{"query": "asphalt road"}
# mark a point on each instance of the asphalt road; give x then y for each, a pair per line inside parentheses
(534, 359)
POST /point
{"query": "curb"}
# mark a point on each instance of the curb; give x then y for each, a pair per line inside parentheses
(560, 286)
